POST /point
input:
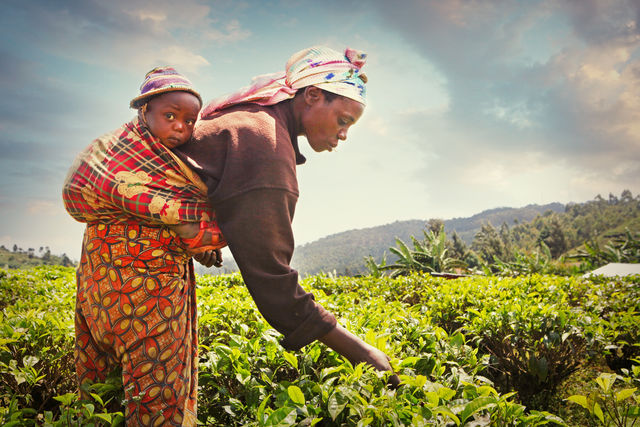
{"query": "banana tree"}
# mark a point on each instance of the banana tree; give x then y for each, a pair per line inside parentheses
(429, 255)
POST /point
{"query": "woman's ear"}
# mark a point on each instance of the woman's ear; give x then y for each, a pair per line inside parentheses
(312, 95)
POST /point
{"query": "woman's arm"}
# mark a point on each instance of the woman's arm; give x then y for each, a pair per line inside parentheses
(356, 350)
(257, 225)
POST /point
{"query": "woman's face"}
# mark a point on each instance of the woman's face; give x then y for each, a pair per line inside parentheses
(325, 123)
(170, 117)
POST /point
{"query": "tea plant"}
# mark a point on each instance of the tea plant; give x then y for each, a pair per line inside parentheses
(467, 350)
(613, 405)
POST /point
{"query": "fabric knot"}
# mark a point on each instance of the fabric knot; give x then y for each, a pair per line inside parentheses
(356, 57)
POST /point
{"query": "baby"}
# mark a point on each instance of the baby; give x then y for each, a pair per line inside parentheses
(131, 174)
(146, 214)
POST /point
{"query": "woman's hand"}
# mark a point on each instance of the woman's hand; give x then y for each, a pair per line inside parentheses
(209, 258)
(356, 350)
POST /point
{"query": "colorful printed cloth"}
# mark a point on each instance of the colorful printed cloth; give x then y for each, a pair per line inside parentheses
(316, 66)
(129, 176)
(136, 308)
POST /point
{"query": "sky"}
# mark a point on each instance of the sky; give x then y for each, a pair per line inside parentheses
(472, 105)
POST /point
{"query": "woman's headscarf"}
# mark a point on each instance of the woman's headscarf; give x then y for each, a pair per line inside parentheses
(316, 66)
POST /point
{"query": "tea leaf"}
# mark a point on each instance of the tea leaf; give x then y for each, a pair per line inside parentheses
(605, 381)
(633, 412)
(337, 402)
(446, 411)
(282, 417)
(597, 410)
(580, 400)
(476, 405)
(260, 412)
(624, 394)
(104, 417)
(296, 395)
(291, 358)
(66, 399)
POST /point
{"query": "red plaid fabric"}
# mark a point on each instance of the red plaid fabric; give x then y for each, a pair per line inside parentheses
(128, 175)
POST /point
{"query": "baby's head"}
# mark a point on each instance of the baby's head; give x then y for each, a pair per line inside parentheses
(168, 105)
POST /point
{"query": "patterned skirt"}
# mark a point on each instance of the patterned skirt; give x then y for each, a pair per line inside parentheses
(136, 309)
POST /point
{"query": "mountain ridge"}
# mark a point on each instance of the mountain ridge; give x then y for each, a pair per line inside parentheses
(344, 252)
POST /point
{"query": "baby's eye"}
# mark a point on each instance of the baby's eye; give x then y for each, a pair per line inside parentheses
(170, 116)
(191, 122)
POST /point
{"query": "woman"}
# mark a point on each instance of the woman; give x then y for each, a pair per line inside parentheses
(245, 149)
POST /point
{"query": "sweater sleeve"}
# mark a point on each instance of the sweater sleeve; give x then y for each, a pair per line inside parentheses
(257, 225)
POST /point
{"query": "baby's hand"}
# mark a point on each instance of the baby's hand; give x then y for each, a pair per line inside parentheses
(187, 230)
(209, 258)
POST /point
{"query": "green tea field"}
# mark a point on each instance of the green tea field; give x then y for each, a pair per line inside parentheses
(473, 351)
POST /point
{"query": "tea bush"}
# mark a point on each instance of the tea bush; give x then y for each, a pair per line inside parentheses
(471, 351)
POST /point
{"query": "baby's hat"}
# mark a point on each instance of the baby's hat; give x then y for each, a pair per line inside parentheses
(161, 80)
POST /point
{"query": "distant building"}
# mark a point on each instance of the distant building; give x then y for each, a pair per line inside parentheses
(615, 269)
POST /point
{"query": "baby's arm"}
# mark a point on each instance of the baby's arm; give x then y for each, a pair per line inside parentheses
(202, 240)
(188, 230)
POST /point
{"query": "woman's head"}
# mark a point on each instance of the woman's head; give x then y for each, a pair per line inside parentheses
(325, 68)
(324, 118)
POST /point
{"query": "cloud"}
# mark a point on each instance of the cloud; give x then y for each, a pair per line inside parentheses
(560, 79)
(231, 32)
(600, 21)
(42, 207)
(29, 92)
(123, 33)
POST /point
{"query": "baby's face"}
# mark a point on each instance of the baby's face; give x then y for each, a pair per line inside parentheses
(171, 116)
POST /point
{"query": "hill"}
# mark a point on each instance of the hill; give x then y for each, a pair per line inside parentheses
(19, 258)
(345, 252)
(467, 228)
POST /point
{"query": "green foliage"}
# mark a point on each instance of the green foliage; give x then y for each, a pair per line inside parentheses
(613, 404)
(533, 339)
(429, 255)
(517, 232)
(539, 262)
(344, 252)
(466, 350)
(374, 269)
(624, 247)
(615, 302)
(19, 258)
(36, 334)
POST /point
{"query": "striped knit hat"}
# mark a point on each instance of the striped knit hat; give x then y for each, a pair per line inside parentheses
(161, 80)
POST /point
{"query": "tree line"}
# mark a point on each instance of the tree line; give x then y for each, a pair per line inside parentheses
(583, 237)
(18, 257)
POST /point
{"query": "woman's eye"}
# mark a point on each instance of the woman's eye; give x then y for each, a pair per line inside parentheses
(342, 122)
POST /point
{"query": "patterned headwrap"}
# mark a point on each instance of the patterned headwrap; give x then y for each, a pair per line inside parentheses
(316, 66)
(162, 80)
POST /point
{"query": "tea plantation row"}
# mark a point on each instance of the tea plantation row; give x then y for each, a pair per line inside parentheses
(472, 351)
